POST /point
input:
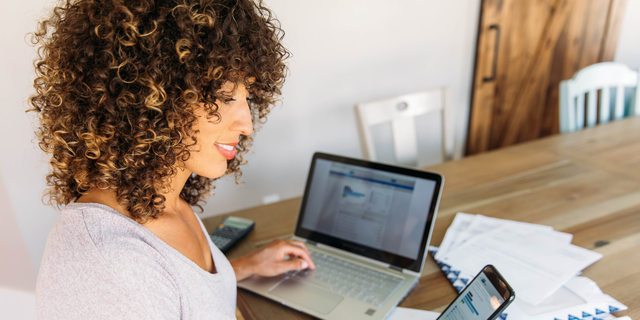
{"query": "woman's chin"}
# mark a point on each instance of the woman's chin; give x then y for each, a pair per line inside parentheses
(216, 171)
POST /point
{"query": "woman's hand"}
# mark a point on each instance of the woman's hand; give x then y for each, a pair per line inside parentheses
(269, 260)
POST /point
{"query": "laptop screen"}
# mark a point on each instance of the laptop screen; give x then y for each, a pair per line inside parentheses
(382, 212)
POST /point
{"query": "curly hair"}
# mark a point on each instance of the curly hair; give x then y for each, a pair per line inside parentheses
(117, 83)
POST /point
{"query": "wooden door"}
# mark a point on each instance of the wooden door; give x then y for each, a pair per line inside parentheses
(524, 49)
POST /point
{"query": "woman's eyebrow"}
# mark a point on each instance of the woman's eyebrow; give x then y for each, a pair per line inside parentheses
(225, 93)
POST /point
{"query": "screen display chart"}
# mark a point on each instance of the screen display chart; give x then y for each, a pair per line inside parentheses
(378, 209)
(477, 302)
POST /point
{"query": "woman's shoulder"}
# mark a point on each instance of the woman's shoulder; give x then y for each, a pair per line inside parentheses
(94, 254)
(97, 225)
(100, 234)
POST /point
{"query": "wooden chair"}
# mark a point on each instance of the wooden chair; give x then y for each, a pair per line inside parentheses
(602, 77)
(401, 112)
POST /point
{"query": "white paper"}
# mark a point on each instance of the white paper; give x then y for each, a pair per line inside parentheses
(400, 313)
(535, 264)
(556, 235)
(580, 298)
(466, 226)
(481, 224)
(459, 224)
(563, 298)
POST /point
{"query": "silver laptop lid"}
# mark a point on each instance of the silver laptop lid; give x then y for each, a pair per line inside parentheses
(375, 210)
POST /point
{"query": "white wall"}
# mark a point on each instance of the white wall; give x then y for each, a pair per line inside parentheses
(25, 220)
(345, 51)
(17, 305)
(16, 269)
(628, 49)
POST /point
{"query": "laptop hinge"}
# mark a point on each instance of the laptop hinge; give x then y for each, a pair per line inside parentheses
(312, 242)
(396, 268)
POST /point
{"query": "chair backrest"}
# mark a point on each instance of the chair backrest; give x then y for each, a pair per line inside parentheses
(401, 112)
(603, 77)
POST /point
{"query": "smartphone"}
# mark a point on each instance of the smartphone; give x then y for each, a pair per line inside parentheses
(230, 232)
(484, 298)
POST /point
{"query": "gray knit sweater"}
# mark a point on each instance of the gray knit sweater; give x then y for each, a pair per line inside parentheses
(99, 264)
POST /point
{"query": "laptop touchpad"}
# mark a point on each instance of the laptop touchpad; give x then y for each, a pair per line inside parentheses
(308, 295)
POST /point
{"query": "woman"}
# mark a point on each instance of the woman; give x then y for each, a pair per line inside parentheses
(141, 105)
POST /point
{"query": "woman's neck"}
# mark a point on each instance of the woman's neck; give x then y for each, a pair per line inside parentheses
(173, 202)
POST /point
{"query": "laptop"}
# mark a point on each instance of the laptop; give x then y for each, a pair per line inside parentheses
(368, 227)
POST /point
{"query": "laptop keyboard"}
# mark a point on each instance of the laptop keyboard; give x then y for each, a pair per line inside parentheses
(349, 279)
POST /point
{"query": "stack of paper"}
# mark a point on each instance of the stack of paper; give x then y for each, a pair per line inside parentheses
(400, 313)
(540, 263)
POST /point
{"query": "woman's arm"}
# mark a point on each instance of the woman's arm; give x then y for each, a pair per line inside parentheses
(269, 260)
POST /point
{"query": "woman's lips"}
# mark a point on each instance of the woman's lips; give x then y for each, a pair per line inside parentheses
(228, 150)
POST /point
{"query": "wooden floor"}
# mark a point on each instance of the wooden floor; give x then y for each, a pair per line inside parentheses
(585, 183)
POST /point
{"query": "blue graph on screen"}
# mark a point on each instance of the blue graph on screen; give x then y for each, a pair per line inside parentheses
(347, 192)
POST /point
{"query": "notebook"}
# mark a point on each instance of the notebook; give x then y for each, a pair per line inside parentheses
(368, 227)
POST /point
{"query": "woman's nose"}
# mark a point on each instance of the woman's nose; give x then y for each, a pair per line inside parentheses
(244, 119)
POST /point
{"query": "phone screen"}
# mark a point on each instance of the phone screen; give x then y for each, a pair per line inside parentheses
(481, 299)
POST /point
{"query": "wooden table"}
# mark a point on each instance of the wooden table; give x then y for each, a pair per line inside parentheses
(585, 183)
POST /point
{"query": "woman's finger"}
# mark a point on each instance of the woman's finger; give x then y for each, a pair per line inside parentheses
(293, 264)
(300, 252)
(297, 243)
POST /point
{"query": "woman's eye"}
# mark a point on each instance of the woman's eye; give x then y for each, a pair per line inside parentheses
(227, 101)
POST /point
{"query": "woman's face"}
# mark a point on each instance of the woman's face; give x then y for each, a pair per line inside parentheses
(218, 136)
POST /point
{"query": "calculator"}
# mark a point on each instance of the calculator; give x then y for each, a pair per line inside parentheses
(230, 232)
